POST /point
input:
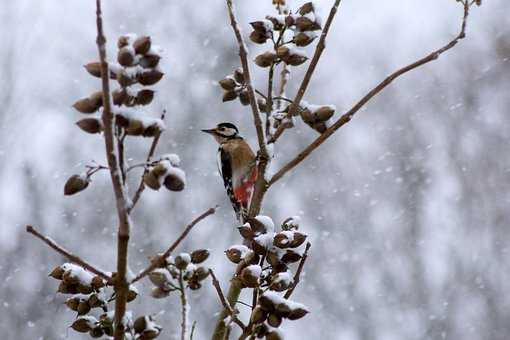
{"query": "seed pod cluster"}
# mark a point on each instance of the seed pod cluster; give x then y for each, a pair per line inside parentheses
(76, 183)
(305, 20)
(145, 328)
(138, 61)
(316, 116)
(185, 266)
(165, 172)
(234, 87)
(262, 31)
(76, 280)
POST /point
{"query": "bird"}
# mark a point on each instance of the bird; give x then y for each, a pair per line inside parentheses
(236, 165)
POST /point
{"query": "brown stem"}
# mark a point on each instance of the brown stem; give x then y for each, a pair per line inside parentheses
(344, 119)
(297, 276)
(321, 45)
(67, 254)
(141, 186)
(226, 305)
(159, 260)
(121, 285)
(243, 55)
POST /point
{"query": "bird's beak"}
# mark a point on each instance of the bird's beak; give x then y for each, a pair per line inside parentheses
(210, 131)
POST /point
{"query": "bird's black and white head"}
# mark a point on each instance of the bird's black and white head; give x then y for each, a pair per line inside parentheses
(223, 132)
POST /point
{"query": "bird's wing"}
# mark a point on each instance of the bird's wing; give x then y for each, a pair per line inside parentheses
(225, 169)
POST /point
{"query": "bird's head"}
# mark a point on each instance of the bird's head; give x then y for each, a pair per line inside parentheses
(223, 132)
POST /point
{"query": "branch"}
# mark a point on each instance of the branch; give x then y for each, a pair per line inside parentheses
(184, 308)
(67, 254)
(297, 276)
(141, 186)
(344, 119)
(160, 259)
(224, 301)
(243, 55)
(121, 285)
(321, 45)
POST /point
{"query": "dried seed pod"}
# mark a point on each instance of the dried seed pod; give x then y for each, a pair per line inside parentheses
(320, 127)
(97, 282)
(65, 288)
(239, 75)
(182, 260)
(272, 258)
(274, 335)
(282, 309)
(90, 104)
(124, 79)
(96, 332)
(266, 303)
(229, 96)
(174, 181)
(306, 24)
(295, 59)
(282, 51)
(290, 20)
(140, 324)
(250, 276)
(57, 273)
(201, 273)
(159, 293)
(265, 59)
(297, 312)
(75, 184)
(94, 69)
(323, 113)
(144, 97)
(83, 307)
(135, 127)
(83, 324)
(258, 37)
(277, 23)
(126, 56)
(261, 26)
(257, 226)
(258, 316)
(123, 41)
(72, 303)
(90, 125)
(244, 97)
(306, 8)
(142, 45)
(304, 38)
(282, 240)
(280, 282)
(132, 293)
(299, 239)
(246, 231)
(84, 289)
(153, 130)
(159, 278)
(199, 255)
(274, 320)
(291, 256)
(194, 285)
(234, 254)
(149, 61)
(261, 330)
(228, 83)
(150, 77)
(150, 180)
(261, 102)
(95, 301)
(119, 96)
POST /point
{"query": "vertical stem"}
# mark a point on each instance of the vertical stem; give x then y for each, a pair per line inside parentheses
(121, 284)
(184, 308)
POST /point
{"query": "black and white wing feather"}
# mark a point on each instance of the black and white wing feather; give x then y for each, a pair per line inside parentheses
(225, 169)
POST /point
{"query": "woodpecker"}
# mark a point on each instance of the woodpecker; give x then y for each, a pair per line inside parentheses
(236, 164)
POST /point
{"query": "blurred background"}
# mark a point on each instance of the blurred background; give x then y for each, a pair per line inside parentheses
(406, 206)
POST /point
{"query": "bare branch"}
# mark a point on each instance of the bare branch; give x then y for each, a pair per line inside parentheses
(67, 254)
(158, 260)
(184, 307)
(344, 119)
(225, 303)
(321, 45)
(297, 276)
(243, 55)
(141, 186)
(121, 285)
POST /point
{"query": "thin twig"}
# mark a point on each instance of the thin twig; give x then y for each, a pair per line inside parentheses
(243, 55)
(141, 186)
(67, 254)
(321, 45)
(297, 276)
(224, 302)
(121, 284)
(184, 307)
(193, 326)
(344, 119)
(158, 260)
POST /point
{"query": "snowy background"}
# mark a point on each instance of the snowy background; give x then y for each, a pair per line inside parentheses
(406, 206)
